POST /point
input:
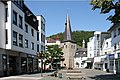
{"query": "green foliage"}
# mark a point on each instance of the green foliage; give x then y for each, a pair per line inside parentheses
(106, 6)
(53, 52)
(78, 36)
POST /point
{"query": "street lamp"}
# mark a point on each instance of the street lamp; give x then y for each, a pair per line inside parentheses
(40, 56)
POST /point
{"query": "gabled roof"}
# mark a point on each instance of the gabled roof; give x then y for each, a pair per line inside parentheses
(113, 27)
(51, 40)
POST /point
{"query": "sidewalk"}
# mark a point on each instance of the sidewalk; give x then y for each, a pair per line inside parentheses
(90, 74)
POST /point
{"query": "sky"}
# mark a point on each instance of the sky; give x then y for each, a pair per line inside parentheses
(82, 17)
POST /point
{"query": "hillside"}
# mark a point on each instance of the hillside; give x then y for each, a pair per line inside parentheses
(78, 36)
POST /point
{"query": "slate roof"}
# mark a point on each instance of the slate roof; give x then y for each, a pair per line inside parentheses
(68, 32)
(81, 52)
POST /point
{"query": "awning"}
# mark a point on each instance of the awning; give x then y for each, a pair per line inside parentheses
(98, 62)
(89, 60)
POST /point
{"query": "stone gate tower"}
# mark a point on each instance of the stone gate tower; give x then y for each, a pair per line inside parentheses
(69, 46)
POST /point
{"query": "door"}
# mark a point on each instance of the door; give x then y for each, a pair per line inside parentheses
(4, 61)
(12, 65)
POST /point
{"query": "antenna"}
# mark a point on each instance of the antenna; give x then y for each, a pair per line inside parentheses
(67, 11)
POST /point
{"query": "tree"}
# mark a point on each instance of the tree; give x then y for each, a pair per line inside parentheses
(77, 35)
(53, 53)
(106, 6)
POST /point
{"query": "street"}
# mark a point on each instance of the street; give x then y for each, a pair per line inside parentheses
(89, 74)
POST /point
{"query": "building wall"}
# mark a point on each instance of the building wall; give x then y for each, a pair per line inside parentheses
(90, 48)
(16, 59)
(2, 25)
(115, 61)
(80, 61)
(41, 28)
(12, 27)
(106, 47)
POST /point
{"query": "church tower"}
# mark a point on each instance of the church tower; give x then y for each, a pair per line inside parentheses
(68, 32)
(69, 46)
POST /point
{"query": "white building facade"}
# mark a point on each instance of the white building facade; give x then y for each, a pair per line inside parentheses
(80, 58)
(19, 41)
(94, 47)
(106, 50)
(41, 34)
(114, 57)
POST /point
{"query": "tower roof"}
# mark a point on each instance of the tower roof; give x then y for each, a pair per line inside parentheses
(68, 32)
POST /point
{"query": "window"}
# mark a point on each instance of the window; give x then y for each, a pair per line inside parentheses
(26, 28)
(14, 18)
(32, 32)
(42, 38)
(97, 36)
(37, 36)
(105, 52)
(14, 38)
(6, 35)
(118, 31)
(118, 45)
(26, 43)
(42, 26)
(6, 14)
(42, 48)
(20, 22)
(37, 47)
(66, 46)
(106, 44)
(114, 33)
(32, 45)
(90, 55)
(20, 40)
(115, 47)
(20, 3)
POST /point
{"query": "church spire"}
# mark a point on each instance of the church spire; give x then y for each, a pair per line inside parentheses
(68, 32)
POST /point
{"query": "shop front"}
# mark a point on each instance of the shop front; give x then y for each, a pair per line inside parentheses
(117, 62)
(4, 62)
(24, 65)
(111, 62)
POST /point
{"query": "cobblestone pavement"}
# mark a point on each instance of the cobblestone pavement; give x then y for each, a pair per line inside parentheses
(89, 74)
